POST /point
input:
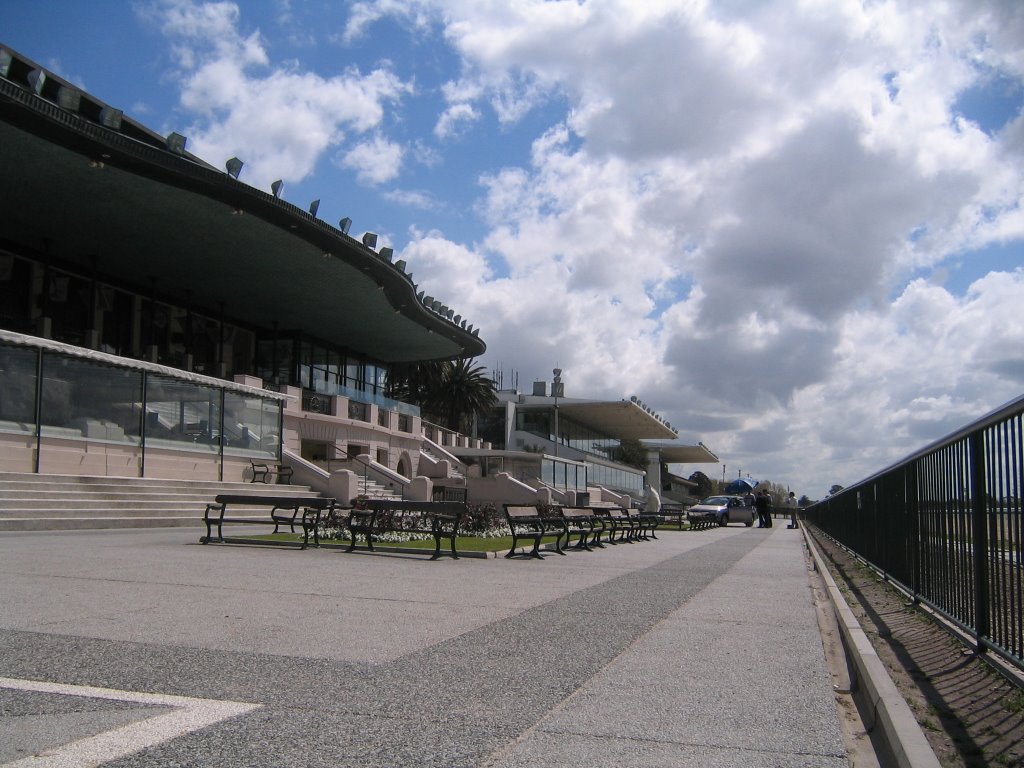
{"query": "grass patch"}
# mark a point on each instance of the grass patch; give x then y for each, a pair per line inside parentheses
(1015, 703)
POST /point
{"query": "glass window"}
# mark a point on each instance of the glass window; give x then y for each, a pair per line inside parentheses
(85, 399)
(18, 393)
(182, 413)
(15, 293)
(358, 411)
(251, 425)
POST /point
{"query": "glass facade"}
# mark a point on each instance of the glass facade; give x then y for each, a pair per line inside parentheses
(18, 389)
(563, 474)
(541, 422)
(80, 398)
(88, 312)
(619, 478)
(84, 399)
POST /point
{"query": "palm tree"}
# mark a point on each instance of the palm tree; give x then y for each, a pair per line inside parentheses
(465, 391)
(448, 393)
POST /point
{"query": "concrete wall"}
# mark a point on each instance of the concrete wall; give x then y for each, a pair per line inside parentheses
(504, 489)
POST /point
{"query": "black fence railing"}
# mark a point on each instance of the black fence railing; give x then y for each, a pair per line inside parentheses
(945, 524)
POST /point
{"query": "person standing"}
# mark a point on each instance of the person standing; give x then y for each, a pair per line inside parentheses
(791, 508)
(763, 503)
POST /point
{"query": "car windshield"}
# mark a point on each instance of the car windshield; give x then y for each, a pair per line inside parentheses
(715, 500)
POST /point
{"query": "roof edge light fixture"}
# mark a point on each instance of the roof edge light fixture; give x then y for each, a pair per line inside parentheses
(234, 167)
(176, 143)
(370, 240)
(36, 80)
(387, 254)
(69, 98)
(400, 265)
(314, 207)
(5, 62)
(111, 118)
(276, 187)
(345, 225)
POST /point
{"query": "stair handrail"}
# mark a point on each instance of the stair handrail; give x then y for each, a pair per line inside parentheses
(384, 474)
(455, 461)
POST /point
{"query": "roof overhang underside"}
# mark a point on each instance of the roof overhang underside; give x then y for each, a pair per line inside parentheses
(82, 194)
(623, 420)
(684, 454)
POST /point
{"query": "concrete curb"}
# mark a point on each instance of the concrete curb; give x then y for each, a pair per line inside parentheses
(383, 548)
(900, 728)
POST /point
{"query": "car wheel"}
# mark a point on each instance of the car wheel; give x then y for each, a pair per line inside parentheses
(724, 520)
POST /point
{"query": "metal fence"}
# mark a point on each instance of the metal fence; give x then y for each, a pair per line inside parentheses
(945, 524)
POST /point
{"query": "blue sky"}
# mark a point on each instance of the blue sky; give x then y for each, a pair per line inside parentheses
(794, 229)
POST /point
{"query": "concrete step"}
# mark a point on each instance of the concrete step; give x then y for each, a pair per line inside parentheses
(121, 492)
(97, 523)
(65, 502)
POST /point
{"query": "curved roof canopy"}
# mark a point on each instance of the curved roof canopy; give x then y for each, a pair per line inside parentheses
(624, 420)
(91, 190)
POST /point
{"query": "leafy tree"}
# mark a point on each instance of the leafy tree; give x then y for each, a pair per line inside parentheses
(631, 452)
(834, 490)
(705, 485)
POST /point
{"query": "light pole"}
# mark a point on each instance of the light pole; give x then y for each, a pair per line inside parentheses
(556, 385)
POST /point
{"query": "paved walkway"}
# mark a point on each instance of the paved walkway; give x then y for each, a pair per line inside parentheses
(144, 648)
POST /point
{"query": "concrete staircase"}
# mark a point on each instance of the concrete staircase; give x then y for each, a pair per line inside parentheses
(31, 502)
(374, 490)
(455, 470)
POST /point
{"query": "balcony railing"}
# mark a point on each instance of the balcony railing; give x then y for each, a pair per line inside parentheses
(945, 524)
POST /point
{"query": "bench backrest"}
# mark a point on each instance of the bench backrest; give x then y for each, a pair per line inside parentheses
(423, 507)
(520, 511)
(576, 512)
(614, 512)
(265, 500)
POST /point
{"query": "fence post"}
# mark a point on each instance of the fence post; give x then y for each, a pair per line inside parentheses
(979, 507)
(912, 509)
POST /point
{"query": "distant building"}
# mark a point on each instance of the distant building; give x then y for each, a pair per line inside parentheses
(569, 450)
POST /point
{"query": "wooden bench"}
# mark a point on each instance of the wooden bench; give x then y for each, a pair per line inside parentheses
(646, 524)
(527, 522)
(304, 511)
(700, 520)
(617, 523)
(262, 471)
(674, 515)
(580, 520)
(440, 519)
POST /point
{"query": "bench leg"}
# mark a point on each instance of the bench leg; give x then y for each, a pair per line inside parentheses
(558, 540)
(535, 552)
(210, 522)
(437, 545)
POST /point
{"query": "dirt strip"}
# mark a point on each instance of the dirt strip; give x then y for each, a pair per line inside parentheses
(971, 714)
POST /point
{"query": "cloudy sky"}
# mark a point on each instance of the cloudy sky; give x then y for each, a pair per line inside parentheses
(792, 227)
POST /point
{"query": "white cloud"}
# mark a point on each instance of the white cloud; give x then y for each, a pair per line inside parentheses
(792, 165)
(375, 161)
(281, 121)
(454, 119)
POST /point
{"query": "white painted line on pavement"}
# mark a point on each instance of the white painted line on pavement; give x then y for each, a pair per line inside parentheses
(189, 715)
